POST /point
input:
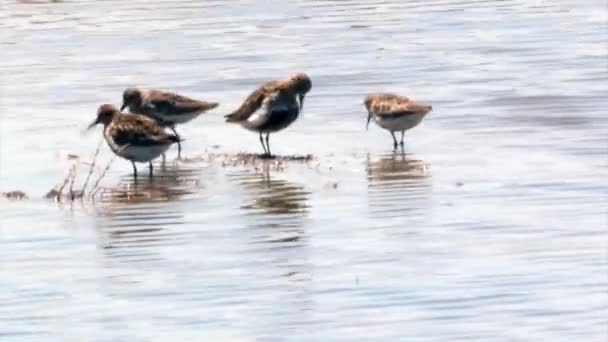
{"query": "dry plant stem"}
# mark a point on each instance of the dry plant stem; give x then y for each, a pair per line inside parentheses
(86, 182)
(66, 180)
(60, 188)
(95, 187)
(74, 174)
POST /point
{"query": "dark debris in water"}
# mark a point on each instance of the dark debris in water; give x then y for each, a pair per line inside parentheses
(248, 159)
(57, 195)
(293, 157)
(331, 185)
(52, 194)
(69, 191)
(15, 195)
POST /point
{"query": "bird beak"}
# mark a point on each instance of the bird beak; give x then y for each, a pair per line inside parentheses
(301, 101)
(93, 124)
(124, 104)
(369, 117)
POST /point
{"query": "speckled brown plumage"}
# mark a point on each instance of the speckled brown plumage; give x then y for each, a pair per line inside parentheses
(132, 136)
(395, 113)
(388, 104)
(297, 84)
(167, 107)
(138, 130)
(273, 106)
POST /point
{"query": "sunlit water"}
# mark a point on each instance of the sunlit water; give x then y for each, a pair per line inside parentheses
(492, 226)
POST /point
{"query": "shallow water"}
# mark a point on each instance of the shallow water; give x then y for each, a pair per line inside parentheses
(492, 226)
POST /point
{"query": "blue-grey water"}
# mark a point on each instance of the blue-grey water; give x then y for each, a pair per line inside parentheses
(492, 226)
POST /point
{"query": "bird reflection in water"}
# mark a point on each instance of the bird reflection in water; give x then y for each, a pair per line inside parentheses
(273, 198)
(398, 185)
(171, 183)
(275, 211)
(132, 217)
(275, 207)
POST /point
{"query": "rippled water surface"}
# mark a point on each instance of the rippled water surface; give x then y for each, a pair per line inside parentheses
(492, 225)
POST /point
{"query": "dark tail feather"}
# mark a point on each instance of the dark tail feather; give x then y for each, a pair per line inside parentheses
(232, 117)
(211, 105)
(208, 105)
(175, 138)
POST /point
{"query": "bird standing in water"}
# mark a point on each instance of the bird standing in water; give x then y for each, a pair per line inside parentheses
(168, 108)
(272, 107)
(134, 137)
(395, 113)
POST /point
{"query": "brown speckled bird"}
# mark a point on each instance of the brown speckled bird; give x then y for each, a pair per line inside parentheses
(273, 106)
(136, 138)
(169, 109)
(395, 113)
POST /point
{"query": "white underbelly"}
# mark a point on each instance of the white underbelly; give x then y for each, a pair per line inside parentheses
(177, 119)
(401, 123)
(137, 153)
(143, 153)
(276, 113)
(256, 120)
(259, 123)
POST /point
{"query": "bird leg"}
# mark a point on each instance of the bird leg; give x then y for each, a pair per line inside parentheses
(134, 170)
(262, 142)
(151, 168)
(179, 144)
(267, 144)
(394, 140)
(402, 134)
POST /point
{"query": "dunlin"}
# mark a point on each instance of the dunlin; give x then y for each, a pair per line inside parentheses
(169, 109)
(395, 113)
(134, 137)
(272, 107)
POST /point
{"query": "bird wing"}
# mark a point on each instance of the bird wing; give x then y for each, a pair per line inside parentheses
(174, 104)
(253, 102)
(138, 130)
(390, 105)
(281, 100)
